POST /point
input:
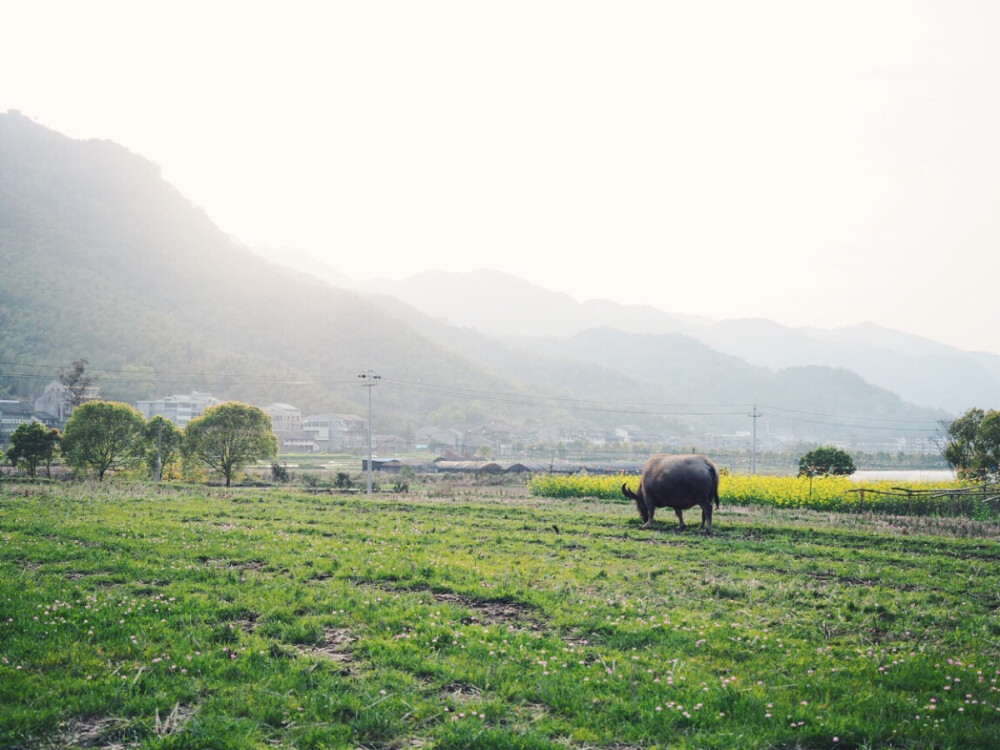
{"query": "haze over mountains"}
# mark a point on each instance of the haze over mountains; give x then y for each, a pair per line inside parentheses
(919, 370)
(102, 259)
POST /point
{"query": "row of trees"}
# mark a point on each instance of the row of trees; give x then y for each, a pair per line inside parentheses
(101, 436)
(973, 444)
(105, 435)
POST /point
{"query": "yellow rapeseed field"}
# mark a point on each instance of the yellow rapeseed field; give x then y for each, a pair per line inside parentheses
(838, 494)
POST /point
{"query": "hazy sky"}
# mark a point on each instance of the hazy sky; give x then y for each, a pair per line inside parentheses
(814, 163)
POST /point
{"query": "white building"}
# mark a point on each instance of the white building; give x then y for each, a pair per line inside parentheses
(12, 415)
(335, 433)
(178, 409)
(286, 420)
(56, 402)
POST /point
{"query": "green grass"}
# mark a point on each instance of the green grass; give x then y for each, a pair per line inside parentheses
(157, 617)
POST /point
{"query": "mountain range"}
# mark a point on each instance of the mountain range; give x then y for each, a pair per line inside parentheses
(919, 370)
(102, 259)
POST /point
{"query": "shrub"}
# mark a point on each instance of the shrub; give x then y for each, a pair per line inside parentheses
(826, 460)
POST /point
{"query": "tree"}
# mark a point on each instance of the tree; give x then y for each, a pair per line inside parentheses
(31, 445)
(163, 445)
(973, 444)
(77, 385)
(824, 461)
(103, 435)
(55, 440)
(229, 436)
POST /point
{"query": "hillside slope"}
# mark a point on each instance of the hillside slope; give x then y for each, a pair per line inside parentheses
(103, 259)
(813, 403)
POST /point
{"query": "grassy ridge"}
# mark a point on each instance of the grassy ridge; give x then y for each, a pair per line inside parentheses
(835, 494)
(170, 618)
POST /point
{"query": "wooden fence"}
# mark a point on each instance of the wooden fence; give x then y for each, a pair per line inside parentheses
(961, 501)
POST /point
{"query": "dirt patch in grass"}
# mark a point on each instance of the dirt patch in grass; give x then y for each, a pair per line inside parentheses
(863, 582)
(175, 720)
(460, 692)
(103, 732)
(484, 611)
(223, 564)
(247, 624)
(846, 580)
(335, 646)
(490, 612)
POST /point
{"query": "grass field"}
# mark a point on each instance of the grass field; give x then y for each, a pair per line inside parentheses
(172, 617)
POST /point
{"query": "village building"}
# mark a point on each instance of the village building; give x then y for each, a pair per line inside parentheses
(390, 444)
(54, 406)
(286, 420)
(337, 433)
(12, 415)
(631, 433)
(556, 433)
(439, 440)
(178, 409)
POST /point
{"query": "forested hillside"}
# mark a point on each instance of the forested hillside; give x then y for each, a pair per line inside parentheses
(102, 259)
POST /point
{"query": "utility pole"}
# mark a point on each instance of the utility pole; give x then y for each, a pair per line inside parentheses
(753, 461)
(159, 451)
(369, 379)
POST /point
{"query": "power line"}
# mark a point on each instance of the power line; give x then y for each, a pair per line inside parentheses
(661, 409)
(836, 416)
(40, 371)
(580, 404)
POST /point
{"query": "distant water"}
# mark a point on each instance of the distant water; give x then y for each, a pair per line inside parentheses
(914, 475)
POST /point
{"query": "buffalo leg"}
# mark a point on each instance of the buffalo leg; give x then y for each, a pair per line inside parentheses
(680, 516)
(706, 518)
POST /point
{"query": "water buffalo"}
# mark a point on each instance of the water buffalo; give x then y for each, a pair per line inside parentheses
(678, 482)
